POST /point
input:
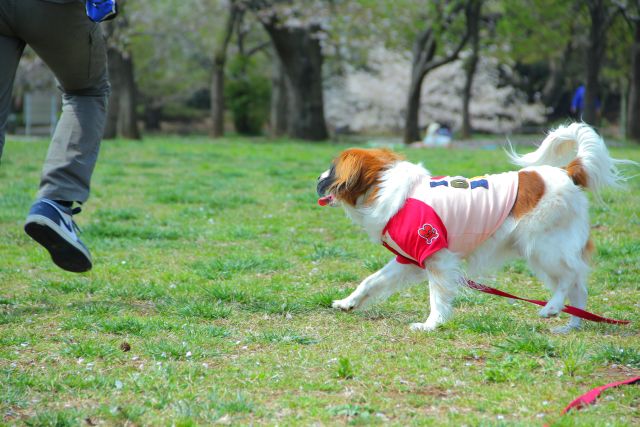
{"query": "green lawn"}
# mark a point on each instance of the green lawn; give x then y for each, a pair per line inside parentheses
(215, 265)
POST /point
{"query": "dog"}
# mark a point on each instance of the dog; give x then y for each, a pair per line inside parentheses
(431, 224)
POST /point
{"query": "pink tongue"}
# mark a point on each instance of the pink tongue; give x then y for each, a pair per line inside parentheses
(324, 201)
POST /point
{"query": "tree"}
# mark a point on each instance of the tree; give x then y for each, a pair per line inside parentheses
(601, 16)
(631, 12)
(247, 84)
(295, 33)
(174, 43)
(473, 23)
(633, 112)
(122, 119)
(217, 80)
(542, 37)
(633, 117)
(434, 32)
(425, 58)
(279, 120)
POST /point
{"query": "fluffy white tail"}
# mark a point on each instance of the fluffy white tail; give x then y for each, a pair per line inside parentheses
(577, 142)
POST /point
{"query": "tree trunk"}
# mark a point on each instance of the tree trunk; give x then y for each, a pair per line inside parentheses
(217, 79)
(128, 116)
(110, 127)
(470, 70)
(122, 118)
(594, 57)
(552, 91)
(423, 51)
(301, 57)
(622, 123)
(113, 110)
(412, 120)
(217, 98)
(471, 64)
(279, 94)
(633, 112)
(152, 115)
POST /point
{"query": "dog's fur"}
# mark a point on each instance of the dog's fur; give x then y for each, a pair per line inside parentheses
(548, 224)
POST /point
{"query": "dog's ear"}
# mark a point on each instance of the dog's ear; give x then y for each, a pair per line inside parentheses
(357, 170)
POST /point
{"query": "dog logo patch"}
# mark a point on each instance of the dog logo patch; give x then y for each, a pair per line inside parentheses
(428, 233)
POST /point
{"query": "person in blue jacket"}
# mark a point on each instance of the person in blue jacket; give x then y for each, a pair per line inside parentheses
(577, 103)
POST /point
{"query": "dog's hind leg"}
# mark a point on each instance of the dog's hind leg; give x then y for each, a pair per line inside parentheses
(555, 275)
(565, 276)
(578, 292)
(554, 306)
(578, 298)
(390, 279)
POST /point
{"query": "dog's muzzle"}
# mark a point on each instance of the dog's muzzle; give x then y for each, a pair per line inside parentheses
(324, 182)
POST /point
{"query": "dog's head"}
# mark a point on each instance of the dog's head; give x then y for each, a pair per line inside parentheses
(353, 174)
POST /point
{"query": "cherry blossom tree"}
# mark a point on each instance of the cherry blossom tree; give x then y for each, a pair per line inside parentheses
(434, 32)
(428, 55)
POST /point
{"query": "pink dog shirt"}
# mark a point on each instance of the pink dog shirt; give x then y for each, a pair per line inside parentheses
(450, 212)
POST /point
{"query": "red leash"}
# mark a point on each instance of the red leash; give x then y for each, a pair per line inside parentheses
(574, 311)
(589, 398)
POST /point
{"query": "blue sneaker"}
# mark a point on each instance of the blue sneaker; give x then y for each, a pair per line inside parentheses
(51, 225)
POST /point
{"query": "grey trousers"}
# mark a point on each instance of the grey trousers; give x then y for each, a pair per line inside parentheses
(74, 49)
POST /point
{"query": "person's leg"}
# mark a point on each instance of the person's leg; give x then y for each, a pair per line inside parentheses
(11, 49)
(73, 151)
(74, 48)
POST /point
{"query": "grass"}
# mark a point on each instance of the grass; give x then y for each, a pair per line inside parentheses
(209, 302)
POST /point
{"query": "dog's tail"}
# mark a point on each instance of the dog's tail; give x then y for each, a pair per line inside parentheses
(582, 152)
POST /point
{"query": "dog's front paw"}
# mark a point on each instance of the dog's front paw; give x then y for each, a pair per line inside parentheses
(343, 304)
(426, 326)
(433, 321)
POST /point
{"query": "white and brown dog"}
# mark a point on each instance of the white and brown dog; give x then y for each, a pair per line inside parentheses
(539, 213)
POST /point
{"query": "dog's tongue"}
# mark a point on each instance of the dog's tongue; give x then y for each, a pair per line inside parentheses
(324, 201)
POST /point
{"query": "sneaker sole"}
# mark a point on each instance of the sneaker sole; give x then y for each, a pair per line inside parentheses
(65, 254)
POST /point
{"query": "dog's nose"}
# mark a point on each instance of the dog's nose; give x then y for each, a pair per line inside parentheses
(324, 181)
(321, 187)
